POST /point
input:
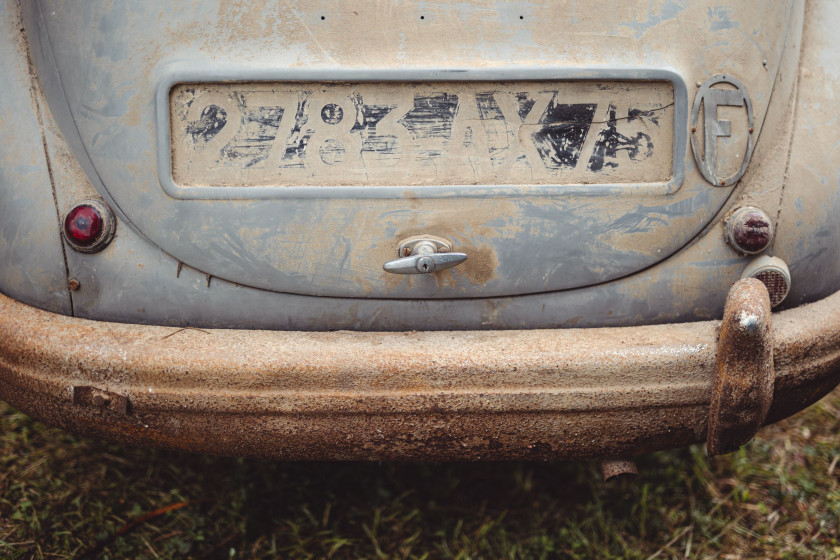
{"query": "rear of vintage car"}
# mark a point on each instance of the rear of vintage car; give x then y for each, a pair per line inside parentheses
(419, 230)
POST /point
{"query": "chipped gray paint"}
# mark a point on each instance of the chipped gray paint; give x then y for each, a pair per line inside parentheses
(31, 263)
(259, 242)
(689, 285)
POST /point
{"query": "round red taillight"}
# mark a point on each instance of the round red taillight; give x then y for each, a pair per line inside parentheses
(749, 230)
(83, 225)
(89, 226)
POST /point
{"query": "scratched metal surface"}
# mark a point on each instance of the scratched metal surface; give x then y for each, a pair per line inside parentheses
(334, 245)
(530, 394)
(32, 267)
(808, 231)
(135, 281)
(377, 395)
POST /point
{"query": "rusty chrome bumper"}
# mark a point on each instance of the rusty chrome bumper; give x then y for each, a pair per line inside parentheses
(573, 393)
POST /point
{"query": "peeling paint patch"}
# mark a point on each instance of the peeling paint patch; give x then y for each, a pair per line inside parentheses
(719, 19)
(670, 10)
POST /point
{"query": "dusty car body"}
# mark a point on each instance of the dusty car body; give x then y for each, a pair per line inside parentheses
(419, 230)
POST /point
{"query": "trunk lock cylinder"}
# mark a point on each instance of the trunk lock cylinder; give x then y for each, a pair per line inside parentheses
(424, 254)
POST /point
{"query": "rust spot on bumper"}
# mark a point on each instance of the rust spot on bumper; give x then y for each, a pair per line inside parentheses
(743, 388)
(566, 393)
(101, 399)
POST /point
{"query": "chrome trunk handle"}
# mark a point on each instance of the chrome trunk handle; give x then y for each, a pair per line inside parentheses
(424, 254)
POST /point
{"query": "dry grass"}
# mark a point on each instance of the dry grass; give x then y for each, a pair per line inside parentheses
(63, 497)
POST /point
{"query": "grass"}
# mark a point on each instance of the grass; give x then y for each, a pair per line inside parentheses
(62, 496)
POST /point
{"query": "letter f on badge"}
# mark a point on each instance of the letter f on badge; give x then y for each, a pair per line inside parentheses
(712, 98)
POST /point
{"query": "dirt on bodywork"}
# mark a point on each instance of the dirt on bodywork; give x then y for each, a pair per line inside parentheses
(575, 393)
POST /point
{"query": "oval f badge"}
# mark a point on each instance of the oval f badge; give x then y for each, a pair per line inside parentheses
(718, 91)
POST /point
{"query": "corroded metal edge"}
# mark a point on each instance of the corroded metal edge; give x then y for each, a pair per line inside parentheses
(743, 389)
(615, 469)
(573, 393)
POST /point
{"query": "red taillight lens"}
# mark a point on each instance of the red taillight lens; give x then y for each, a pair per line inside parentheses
(83, 225)
(749, 230)
(89, 226)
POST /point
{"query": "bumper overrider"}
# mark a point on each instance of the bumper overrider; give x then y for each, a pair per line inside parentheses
(513, 394)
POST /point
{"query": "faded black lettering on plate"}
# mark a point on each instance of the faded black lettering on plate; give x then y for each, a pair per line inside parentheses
(610, 141)
(422, 134)
(562, 132)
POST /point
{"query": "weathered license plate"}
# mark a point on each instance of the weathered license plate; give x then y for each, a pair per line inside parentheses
(415, 134)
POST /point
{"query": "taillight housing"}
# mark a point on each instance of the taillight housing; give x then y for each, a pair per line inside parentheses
(89, 226)
(773, 273)
(749, 230)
